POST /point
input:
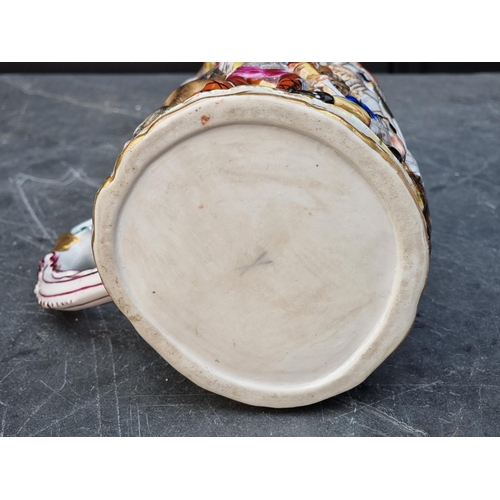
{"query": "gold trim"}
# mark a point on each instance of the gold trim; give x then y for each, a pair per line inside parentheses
(180, 94)
(352, 108)
(64, 242)
(129, 145)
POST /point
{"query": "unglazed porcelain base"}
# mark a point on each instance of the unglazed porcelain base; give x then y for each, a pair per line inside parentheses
(265, 249)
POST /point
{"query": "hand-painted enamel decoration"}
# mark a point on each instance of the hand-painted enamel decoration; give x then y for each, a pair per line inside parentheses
(68, 279)
(281, 232)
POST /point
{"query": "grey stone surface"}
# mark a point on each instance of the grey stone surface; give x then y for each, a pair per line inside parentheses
(89, 373)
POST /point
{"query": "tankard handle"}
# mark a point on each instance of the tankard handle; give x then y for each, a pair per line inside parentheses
(68, 279)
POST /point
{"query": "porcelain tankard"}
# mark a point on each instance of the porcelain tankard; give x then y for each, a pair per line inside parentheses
(266, 231)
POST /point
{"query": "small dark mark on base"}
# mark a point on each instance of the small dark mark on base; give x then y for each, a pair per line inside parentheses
(257, 262)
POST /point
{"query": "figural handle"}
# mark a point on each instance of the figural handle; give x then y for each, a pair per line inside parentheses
(68, 279)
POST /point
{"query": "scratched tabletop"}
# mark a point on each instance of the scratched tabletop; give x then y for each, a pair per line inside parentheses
(89, 373)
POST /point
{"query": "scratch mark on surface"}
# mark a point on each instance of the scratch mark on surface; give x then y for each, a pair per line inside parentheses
(375, 431)
(138, 418)
(113, 364)
(68, 177)
(32, 212)
(37, 409)
(489, 205)
(56, 392)
(6, 273)
(65, 180)
(11, 223)
(470, 175)
(176, 417)
(26, 89)
(77, 393)
(59, 420)
(129, 418)
(398, 423)
(368, 405)
(7, 375)
(31, 242)
(216, 416)
(65, 375)
(115, 387)
(3, 422)
(147, 424)
(63, 385)
(257, 262)
(38, 207)
(480, 404)
(98, 395)
(168, 405)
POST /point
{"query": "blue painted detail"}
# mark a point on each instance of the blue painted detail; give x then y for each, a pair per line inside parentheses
(373, 116)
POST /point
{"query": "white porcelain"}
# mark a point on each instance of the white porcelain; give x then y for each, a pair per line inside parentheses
(269, 245)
